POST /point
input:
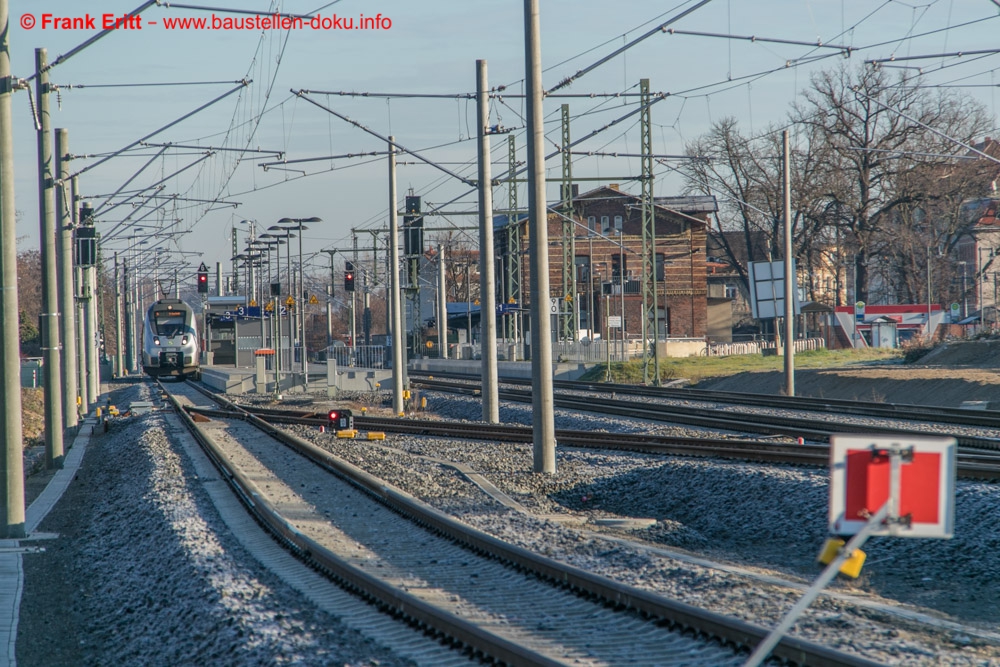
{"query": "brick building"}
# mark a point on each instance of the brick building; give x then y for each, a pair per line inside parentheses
(608, 262)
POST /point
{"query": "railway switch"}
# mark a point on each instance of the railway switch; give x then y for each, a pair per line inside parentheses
(341, 420)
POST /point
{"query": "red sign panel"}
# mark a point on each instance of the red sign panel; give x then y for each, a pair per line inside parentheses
(868, 490)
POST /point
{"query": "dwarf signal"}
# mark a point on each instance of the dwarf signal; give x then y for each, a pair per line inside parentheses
(341, 420)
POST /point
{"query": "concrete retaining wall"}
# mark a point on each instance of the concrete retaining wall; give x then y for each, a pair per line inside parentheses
(228, 382)
(505, 369)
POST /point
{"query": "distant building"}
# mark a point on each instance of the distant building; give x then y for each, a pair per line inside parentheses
(607, 257)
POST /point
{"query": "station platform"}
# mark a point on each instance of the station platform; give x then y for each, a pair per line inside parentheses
(233, 380)
(11, 550)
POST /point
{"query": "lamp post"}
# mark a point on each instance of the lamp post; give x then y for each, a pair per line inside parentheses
(281, 232)
(276, 308)
(252, 225)
(272, 244)
(298, 224)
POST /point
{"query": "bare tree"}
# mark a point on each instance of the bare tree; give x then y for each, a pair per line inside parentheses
(860, 122)
(746, 174)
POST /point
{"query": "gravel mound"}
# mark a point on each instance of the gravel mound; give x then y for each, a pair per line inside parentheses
(144, 573)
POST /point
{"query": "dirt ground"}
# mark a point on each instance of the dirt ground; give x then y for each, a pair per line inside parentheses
(948, 376)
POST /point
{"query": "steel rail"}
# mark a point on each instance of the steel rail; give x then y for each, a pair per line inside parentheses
(912, 411)
(389, 598)
(819, 429)
(971, 465)
(676, 614)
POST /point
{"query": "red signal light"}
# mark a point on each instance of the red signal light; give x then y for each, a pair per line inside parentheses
(341, 419)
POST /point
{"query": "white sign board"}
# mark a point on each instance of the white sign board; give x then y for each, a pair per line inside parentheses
(767, 290)
(861, 482)
(614, 321)
(553, 305)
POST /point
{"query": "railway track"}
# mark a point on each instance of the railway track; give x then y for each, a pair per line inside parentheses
(905, 411)
(496, 601)
(712, 417)
(971, 464)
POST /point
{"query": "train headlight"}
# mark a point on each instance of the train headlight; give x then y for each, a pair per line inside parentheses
(184, 340)
(156, 341)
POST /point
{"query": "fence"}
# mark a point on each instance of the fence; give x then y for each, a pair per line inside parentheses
(596, 351)
(762, 347)
(363, 356)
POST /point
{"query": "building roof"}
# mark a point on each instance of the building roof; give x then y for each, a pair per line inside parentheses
(692, 205)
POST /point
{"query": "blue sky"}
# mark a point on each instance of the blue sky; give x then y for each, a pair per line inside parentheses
(432, 47)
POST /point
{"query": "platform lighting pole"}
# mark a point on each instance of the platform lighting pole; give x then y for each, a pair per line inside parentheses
(276, 305)
(396, 304)
(542, 401)
(10, 385)
(50, 292)
(266, 332)
(299, 225)
(276, 232)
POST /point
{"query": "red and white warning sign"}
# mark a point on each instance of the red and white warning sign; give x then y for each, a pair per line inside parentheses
(923, 490)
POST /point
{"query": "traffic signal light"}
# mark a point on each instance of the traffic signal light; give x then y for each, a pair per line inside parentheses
(202, 282)
(348, 276)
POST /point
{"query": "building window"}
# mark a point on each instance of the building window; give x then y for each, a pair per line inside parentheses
(592, 224)
(605, 224)
(618, 222)
(731, 292)
(660, 261)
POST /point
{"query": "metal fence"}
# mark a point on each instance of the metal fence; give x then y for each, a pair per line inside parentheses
(760, 346)
(362, 356)
(597, 351)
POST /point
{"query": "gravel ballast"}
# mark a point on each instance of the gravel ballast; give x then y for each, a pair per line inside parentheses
(144, 574)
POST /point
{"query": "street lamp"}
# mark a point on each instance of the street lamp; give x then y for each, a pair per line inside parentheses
(298, 224)
(276, 309)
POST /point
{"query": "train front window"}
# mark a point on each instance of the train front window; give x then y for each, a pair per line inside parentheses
(169, 324)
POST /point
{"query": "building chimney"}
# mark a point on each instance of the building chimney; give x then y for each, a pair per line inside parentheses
(576, 190)
(613, 186)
